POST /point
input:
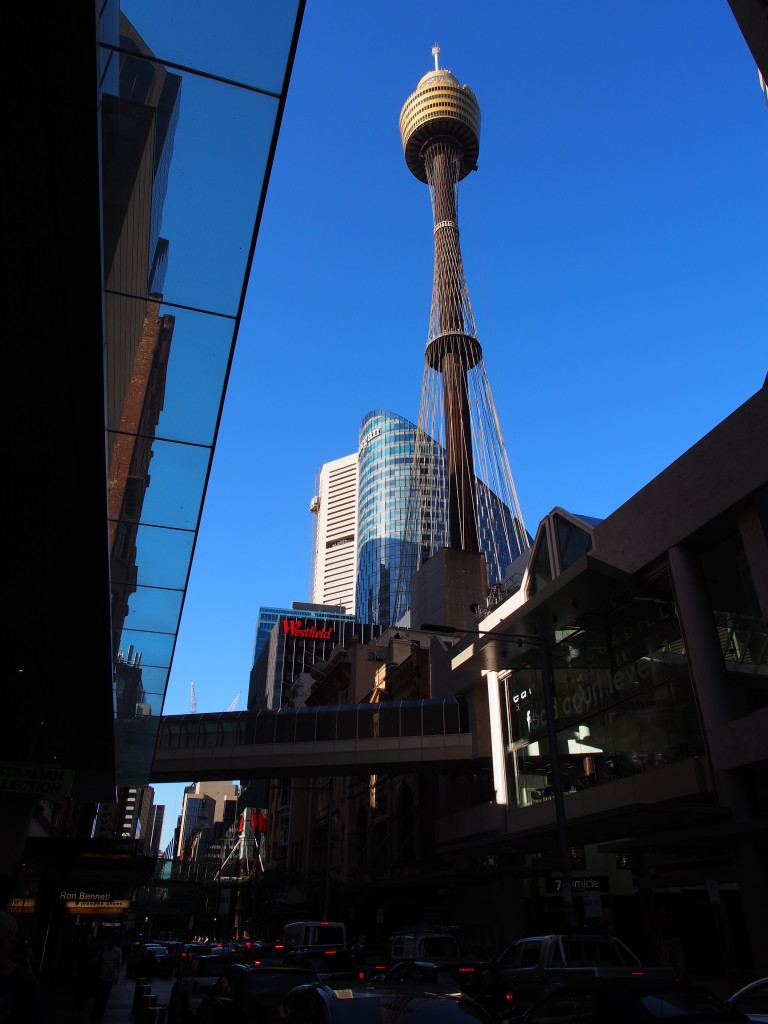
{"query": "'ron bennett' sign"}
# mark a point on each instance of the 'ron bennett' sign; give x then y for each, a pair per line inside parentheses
(81, 901)
(35, 779)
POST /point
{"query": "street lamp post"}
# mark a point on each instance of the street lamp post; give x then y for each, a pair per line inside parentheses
(547, 683)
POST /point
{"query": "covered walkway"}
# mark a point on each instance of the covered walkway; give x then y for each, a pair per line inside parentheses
(294, 742)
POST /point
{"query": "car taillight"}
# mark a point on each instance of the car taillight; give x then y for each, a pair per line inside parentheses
(509, 998)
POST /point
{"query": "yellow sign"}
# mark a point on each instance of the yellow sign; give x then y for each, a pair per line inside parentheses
(96, 907)
(19, 905)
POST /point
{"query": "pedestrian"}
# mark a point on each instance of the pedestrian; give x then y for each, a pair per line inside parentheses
(19, 990)
(108, 966)
(87, 949)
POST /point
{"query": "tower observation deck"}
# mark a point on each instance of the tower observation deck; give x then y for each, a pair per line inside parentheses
(462, 491)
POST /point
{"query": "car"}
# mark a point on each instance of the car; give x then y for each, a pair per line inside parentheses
(322, 1003)
(328, 964)
(645, 1001)
(752, 999)
(537, 964)
(249, 995)
(267, 953)
(477, 978)
(196, 978)
(149, 960)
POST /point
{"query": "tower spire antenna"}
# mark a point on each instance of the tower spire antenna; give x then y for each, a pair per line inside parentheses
(436, 54)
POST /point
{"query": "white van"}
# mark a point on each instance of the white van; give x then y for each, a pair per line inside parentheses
(315, 933)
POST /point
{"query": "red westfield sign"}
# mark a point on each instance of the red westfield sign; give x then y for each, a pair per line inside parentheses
(293, 627)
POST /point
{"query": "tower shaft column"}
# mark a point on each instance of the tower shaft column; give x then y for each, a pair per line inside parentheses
(442, 166)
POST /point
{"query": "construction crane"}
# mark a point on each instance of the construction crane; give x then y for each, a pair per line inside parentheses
(192, 701)
(234, 702)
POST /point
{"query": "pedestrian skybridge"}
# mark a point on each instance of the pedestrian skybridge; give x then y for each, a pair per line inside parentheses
(344, 739)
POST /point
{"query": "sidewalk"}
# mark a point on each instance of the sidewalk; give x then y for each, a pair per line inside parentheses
(121, 998)
(57, 1002)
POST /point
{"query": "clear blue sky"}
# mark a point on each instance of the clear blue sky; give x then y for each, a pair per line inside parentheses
(614, 249)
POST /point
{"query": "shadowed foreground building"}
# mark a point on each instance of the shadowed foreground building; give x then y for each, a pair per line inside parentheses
(654, 622)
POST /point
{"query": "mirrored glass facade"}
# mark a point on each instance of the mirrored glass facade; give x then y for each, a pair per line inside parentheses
(387, 554)
(188, 135)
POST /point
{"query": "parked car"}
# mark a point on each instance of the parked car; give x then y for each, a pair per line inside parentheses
(479, 979)
(333, 965)
(196, 978)
(752, 999)
(362, 1004)
(250, 995)
(630, 1001)
(314, 933)
(533, 966)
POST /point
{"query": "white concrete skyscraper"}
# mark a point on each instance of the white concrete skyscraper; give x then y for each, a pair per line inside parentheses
(334, 568)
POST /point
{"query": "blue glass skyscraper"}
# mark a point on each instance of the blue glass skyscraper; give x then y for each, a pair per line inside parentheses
(387, 444)
(389, 548)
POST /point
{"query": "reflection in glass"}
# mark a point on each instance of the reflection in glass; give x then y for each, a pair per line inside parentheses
(623, 698)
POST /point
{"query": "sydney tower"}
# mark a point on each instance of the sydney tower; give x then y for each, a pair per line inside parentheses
(472, 491)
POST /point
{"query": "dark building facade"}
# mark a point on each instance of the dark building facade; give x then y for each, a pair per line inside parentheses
(619, 704)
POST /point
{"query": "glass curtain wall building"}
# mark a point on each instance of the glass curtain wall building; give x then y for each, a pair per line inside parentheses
(389, 548)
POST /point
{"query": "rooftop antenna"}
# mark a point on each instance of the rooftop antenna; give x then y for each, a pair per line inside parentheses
(192, 701)
(436, 54)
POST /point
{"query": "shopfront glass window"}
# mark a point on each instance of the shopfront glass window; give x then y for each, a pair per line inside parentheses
(623, 701)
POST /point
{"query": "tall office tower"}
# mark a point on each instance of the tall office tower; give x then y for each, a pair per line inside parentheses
(335, 550)
(156, 829)
(386, 450)
(440, 132)
(203, 804)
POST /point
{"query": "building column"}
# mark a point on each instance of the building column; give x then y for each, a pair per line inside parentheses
(710, 682)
